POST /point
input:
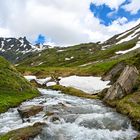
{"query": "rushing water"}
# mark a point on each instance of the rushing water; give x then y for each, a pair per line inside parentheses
(74, 119)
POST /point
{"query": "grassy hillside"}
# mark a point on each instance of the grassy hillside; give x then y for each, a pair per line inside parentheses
(78, 55)
(88, 59)
(13, 87)
(57, 57)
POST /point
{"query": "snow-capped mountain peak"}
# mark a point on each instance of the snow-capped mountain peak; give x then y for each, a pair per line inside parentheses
(14, 49)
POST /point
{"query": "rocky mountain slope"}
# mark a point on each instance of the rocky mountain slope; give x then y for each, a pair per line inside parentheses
(14, 49)
(129, 35)
(13, 87)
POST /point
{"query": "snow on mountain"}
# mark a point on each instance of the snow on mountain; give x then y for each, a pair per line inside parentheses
(14, 49)
(129, 50)
(126, 36)
(135, 34)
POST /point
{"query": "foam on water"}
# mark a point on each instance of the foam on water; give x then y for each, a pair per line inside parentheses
(72, 131)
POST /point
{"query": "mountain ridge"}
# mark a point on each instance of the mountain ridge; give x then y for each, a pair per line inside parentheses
(16, 49)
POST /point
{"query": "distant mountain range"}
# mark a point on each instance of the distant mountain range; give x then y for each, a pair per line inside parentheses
(16, 50)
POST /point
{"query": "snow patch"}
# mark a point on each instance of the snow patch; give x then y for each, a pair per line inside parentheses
(130, 37)
(42, 81)
(60, 51)
(51, 84)
(8, 40)
(88, 84)
(67, 59)
(105, 47)
(126, 51)
(40, 63)
(30, 77)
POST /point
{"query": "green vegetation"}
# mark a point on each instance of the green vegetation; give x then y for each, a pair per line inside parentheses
(96, 61)
(82, 54)
(13, 87)
(73, 92)
(55, 57)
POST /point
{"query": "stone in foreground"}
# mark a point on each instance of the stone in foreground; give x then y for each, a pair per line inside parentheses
(26, 112)
(26, 133)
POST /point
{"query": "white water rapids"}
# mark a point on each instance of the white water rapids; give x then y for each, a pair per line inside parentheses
(79, 119)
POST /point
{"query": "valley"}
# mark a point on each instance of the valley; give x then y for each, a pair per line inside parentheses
(68, 91)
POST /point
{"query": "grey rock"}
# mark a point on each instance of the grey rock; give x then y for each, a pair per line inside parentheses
(113, 74)
(124, 84)
(26, 112)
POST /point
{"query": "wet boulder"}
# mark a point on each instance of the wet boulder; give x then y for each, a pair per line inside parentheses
(102, 94)
(113, 74)
(27, 111)
(124, 84)
(25, 133)
(56, 119)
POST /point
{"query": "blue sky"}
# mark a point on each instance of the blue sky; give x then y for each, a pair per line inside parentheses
(107, 15)
(41, 39)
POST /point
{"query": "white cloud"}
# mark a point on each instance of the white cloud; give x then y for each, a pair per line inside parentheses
(5, 32)
(117, 28)
(113, 4)
(121, 20)
(133, 7)
(66, 22)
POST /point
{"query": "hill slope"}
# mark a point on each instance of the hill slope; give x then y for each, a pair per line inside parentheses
(13, 87)
(58, 56)
(73, 60)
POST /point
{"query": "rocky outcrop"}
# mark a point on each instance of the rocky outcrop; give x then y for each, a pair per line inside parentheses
(124, 84)
(26, 112)
(53, 79)
(26, 133)
(113, 74)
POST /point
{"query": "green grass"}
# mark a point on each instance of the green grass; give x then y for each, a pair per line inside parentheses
(53, 58)
(54, 62)
(82, 54)
(74, 92)
(13, 87)
(9, 99)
